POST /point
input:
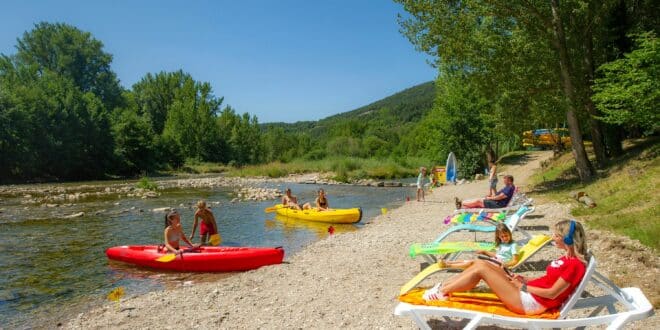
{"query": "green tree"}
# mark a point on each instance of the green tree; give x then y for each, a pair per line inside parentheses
(71, 53)
(628, 91)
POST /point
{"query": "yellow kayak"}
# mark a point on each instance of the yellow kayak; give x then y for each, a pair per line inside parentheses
(331, 216)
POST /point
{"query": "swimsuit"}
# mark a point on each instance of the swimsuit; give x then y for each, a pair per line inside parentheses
(323, 204)
(205, 229)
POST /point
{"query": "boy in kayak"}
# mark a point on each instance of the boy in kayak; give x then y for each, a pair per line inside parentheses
(290, 201)
(207, 226)
(174, 233)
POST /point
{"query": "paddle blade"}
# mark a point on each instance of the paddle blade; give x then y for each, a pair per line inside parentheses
(271, 209)
(215, 239)
(166, 258)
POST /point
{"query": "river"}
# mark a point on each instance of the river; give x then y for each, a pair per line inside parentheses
(52, 267)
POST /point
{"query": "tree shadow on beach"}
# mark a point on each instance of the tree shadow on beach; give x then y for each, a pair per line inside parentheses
(451, 324)
(514, 158)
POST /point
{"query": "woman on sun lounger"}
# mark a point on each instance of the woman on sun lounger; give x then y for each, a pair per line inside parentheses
(523, 295)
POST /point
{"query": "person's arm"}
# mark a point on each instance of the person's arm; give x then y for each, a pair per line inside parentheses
(497, 197)
(212, 218)
(513, 261)
(550, 293)
(192, 233)
(185, 239)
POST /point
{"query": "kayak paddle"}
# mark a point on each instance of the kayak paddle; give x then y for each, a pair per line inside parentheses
(166, 258)
(171, 256)
(272, 209)
(215, 239)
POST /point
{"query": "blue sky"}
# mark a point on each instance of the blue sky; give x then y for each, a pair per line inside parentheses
(281, 60)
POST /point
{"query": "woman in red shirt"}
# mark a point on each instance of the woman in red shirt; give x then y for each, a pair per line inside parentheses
(522, 295)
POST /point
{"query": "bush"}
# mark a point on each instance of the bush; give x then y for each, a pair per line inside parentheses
(146, 184)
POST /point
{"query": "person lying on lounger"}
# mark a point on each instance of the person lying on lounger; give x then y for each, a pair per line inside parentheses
(499, 200)
(520, 294)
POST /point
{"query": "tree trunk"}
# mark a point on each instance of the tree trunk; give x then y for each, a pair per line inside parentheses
(596, 127)
(581, 160)
(613, 138)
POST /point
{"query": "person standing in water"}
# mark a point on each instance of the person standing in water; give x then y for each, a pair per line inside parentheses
(207, 226)
(420, 184)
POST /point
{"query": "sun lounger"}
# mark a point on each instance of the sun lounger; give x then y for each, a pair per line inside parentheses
(488, 226)
(634, 305)
(527, 250)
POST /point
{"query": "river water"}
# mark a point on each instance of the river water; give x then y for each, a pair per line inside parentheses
(53, 267)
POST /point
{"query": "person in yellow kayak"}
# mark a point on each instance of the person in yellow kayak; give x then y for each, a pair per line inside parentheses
(208, 226)
(290, 201)
(321, 202)
(174, 233)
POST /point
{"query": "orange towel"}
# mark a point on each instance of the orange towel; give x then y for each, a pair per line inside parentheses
(476, 301)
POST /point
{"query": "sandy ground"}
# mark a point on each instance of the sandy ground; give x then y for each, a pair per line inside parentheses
(352, 280)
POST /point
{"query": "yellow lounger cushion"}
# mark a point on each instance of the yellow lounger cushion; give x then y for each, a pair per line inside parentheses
(476, 301)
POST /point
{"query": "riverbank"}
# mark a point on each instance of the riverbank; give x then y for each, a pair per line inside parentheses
(351, 280)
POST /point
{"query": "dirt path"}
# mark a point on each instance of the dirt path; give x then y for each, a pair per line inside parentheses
(349, 280)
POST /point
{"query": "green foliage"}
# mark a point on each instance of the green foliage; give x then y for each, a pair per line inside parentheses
(624, 194)
(456, 124)
(146, 184)
(628, 91)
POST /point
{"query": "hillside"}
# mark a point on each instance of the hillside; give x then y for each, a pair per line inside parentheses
(403, 107)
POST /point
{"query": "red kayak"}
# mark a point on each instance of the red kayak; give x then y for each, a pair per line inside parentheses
(203, 259)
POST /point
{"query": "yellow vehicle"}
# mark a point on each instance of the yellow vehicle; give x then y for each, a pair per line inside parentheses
(547, 138)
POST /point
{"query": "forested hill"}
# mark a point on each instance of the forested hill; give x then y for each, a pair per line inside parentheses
(406, 106)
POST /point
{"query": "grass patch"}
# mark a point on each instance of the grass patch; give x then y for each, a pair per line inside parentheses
(204, 167)
(344, 169)
(146, 183)
(625, 192)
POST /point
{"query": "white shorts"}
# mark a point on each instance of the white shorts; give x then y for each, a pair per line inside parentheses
(530, 305)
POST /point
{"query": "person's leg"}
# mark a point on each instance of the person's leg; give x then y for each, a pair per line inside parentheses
(204, 238)
(307, 206)
(473, 204)
(459, 264)
(418, 193)
(496, 279)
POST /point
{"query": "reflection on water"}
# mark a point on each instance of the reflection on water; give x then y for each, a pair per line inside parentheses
(53, 267)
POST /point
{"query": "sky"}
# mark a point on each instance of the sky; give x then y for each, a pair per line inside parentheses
(281, 60)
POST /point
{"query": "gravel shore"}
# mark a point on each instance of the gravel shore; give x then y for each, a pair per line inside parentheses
(350, 280)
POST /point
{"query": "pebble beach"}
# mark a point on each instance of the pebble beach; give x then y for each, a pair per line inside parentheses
(351, 280)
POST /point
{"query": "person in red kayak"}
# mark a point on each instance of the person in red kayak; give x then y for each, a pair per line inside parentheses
(174, 232)
(207, 226)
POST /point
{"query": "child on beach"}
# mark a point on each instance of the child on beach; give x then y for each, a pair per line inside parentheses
(174, 233)
(420, 184)
(207, 226)
(492, 179)
(506, 250)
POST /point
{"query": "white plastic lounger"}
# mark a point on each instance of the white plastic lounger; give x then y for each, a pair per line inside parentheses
(488, 226)
(526, 251)
(634, 302)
